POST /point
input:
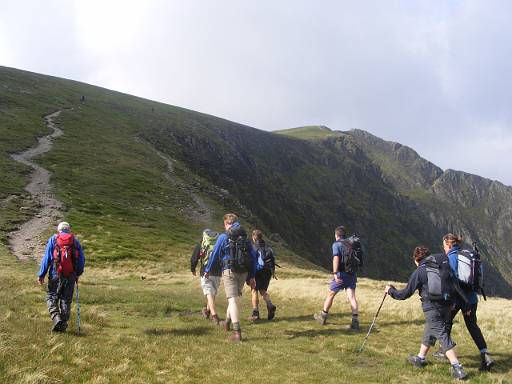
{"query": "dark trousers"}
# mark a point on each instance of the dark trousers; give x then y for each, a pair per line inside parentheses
(471, 325)
(60, 296)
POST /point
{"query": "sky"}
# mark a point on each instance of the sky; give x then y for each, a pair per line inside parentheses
(433, 75)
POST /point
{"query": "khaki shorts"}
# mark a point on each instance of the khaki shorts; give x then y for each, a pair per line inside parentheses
(210, 285)
(233, 282)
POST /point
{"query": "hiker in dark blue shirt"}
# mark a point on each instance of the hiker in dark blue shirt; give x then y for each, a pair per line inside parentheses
(342, 279)
(436, 311)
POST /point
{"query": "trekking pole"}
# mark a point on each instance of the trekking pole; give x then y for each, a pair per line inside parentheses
(77, 308)
(373, 322)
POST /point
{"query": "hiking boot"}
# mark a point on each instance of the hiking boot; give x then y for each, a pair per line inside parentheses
(57, 324)
(487, 362)
(355, 324)
(225, 324)
(236, 337)
(439, 355)
(215, 319)
(254, 316)
(417, 361)
(271, 311)
(205, 312)
(320, 317)
(458, 372)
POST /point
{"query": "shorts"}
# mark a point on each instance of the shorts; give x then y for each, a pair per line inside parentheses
(348, 280)
(210, 285)
(233, 282)
(263, 278)
(437, 321)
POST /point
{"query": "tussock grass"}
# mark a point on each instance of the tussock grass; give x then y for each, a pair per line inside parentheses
(151, 331)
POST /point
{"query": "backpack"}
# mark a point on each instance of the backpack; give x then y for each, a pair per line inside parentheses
(239, 259)
(65, 254)
(470, 269)
(266, 259)
(440, 280)
(207, 244)
(352, 258)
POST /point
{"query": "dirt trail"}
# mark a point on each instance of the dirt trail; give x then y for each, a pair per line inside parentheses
(27, 241)
(202, 211)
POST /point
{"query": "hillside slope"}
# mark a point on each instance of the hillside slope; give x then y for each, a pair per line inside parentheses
(139, 179)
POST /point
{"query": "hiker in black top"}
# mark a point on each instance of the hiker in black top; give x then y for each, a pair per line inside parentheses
(264, 272)
(451, 246)
(437, 312)
(210, 285)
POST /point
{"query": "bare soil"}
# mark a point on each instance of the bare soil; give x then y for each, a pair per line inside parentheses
(27, 241)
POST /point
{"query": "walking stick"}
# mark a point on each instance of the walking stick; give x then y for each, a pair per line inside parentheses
(373, 322)
(77, 308)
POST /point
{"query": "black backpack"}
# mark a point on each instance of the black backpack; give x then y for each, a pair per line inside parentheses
(440, 278)
(239, 254)
(352, 258)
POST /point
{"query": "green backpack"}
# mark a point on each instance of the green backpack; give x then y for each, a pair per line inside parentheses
(207, 244)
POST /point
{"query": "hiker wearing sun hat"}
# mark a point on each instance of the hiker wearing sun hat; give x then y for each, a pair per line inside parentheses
(64, 261)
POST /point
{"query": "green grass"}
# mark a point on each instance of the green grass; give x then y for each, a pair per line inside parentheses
(151, 331)
(308, 132)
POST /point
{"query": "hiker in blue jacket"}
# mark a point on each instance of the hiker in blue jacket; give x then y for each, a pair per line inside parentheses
(238, 259)
(451, 245)
(64, 262)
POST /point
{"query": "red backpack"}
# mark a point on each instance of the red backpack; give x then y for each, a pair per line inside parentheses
(65, 254)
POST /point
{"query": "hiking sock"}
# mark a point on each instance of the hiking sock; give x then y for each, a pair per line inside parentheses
(324, 312)
(269, 303)
(484, 350)
(422, 358)
(355, 316)
(455, 363)
(236, 327)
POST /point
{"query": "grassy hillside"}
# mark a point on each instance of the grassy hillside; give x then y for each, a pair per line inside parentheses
(151, 331)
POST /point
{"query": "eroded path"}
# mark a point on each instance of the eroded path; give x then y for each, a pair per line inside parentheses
(27, 242)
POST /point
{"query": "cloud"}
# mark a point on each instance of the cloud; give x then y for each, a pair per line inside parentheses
(431, 75)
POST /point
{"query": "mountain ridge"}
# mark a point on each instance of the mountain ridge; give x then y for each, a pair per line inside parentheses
(297, 190)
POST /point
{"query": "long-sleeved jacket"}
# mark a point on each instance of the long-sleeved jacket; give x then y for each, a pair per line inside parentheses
(216, 269)
(221, 252)
(417, 281)
(47, 260)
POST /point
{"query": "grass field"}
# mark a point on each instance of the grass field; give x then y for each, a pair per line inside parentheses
(150, 331)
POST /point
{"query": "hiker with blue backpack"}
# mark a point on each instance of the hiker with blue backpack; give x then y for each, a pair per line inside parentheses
(210, 285)
(265, 269)
(436, 286)
(466, 267)
(238, 258)
(64, 262)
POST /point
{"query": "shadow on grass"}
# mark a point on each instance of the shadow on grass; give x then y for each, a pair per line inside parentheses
(320, 332)
(307, 318)
(503, 362)
(177, 332)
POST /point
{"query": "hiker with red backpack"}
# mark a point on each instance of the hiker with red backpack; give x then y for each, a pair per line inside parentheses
(346, 258)
(64, 261)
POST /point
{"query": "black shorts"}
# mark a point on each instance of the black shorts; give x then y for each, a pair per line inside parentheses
(263, 279)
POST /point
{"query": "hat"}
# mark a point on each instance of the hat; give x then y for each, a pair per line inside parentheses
(63, 226)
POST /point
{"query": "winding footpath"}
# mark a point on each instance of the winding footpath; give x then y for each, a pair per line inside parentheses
(27, 242)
